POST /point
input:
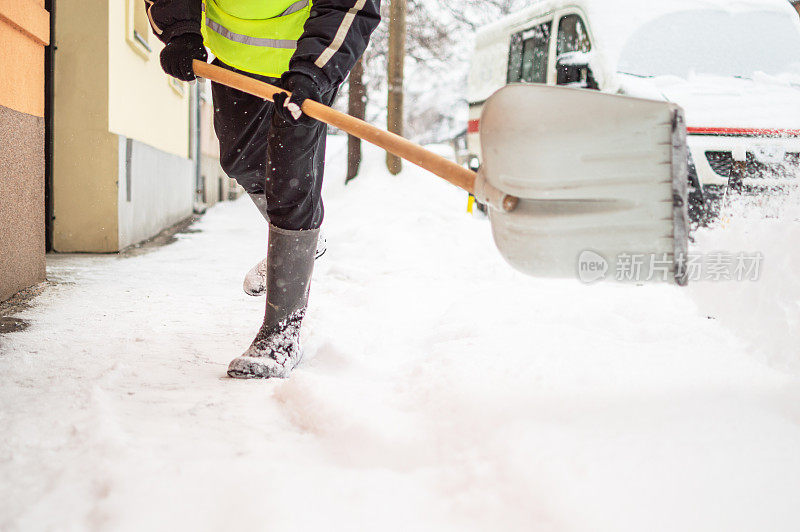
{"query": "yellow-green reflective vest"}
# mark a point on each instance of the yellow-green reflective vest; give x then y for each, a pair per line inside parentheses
(257, 36)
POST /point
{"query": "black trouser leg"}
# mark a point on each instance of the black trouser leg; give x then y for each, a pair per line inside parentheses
(295, 164)
(267, 155)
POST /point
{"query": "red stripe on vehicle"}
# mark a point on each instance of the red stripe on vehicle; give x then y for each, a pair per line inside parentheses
(473, 126)
(749, 132)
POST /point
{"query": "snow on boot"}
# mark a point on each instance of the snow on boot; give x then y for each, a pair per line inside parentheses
(276, 348)
(255, 282)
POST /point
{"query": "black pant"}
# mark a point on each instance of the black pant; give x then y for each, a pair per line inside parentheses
(268, 155)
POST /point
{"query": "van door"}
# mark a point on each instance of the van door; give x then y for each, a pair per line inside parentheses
(573, 45)
(529, 54)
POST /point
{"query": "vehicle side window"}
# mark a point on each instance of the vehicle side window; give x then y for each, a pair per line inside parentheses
(572, 36)
(527, 60)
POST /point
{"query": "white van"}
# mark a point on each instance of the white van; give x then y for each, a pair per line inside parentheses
(733, 65)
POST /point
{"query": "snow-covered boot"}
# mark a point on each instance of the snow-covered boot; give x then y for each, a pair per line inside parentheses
(255, 281)
(276, 348)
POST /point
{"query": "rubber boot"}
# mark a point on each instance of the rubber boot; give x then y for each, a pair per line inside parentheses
(255, 280)
(276, 348)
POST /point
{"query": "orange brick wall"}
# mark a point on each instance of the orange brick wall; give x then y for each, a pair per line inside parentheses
(24, 31)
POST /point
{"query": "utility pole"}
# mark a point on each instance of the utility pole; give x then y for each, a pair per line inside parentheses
(397, 53)
(357, 107)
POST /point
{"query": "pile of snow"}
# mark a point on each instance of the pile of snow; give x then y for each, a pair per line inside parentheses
(765, 314)
(441, 390)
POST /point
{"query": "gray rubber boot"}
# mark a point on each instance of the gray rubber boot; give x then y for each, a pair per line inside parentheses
(255, 281)
(276, 348)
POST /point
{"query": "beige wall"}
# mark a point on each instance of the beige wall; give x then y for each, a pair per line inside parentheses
(217, 185)
(24, 31)
(85, 154)
(143, 104)
(209, 145)
(110, 90)
(151, 110)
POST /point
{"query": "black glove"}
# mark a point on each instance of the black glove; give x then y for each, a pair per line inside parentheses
(177, 55)
(302, 88)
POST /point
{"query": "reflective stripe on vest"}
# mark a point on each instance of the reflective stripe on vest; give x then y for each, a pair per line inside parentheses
(261, 46)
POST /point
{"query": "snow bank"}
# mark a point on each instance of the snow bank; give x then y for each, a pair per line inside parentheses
(765, 314)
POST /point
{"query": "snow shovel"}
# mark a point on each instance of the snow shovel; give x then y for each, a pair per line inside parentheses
(580, 183)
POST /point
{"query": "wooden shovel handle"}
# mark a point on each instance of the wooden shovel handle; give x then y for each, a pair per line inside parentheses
(444, 168)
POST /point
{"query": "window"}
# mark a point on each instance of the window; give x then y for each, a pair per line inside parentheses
(528, 55)
(177, 85)
(138, 27)
(572, 36)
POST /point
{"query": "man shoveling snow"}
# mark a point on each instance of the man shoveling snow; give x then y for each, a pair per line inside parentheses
(272, 149)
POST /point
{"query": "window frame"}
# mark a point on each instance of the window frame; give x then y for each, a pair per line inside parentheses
(561, 13)
(545, 18)
(176, 85)
(138, 42)
(583, 24)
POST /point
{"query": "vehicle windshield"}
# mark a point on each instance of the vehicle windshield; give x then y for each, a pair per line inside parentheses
(713, 42)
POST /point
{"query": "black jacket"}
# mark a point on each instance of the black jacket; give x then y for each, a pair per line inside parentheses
(319, 53)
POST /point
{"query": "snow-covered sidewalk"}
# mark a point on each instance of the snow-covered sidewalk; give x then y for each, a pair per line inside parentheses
(440, 390)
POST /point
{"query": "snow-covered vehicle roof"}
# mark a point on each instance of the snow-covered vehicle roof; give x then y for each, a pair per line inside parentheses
(614, 22)
(620, 14)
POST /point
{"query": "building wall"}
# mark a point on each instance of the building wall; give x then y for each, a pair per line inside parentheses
(155, 192)
(85, 153)
(143, 103)
(151, 114)
(217, 186)
(24, 31)
(122, 171)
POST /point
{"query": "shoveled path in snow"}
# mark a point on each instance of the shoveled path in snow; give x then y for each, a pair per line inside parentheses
(440, 390)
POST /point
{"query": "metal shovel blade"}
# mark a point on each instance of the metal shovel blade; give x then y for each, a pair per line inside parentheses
(601, 181)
